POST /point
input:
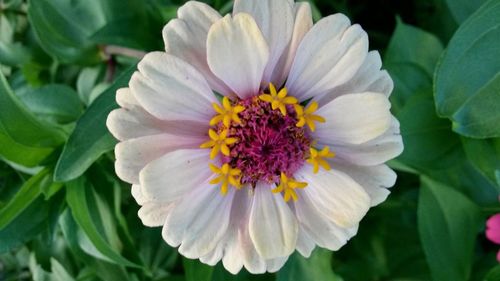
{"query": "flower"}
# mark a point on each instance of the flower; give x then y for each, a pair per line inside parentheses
(493, 231)
(243, 179)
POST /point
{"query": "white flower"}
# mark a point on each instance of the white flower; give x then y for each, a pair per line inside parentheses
(292, 156)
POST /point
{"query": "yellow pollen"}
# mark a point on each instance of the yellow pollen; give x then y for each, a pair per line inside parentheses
(226, 113)
(317, 158)
(278, 100)
(218, 143)
(226, 176)
(306, 116)
(288, 185)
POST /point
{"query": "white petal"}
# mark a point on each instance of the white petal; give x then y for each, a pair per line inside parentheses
(238, 53)
(336, 195)
(125, 99)
(275, 20)
(135, 122)
(171, 89)
(273, 265)
(318, 227)
(199, 221)
(305, 244)
(369, 78)
(154, 214)
(329, 55)
(133, 155)
(186, 38)
(374, 179)
(173, 175)
(353, 119)
(232, 260)
(377, 151)
(138, 195)
(303, 23)
(273, 227)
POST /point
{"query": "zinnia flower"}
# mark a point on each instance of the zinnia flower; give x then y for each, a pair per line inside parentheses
(493, 231)
(257, 134)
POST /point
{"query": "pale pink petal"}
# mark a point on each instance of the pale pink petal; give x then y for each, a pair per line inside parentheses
(186, 38)
(369, 78)
(138, 195)
(133, 155)
(154, 214)
(125, 99)
(175, 174)
(303, 23)
(375, 152)
(335, 195)
(171, 89)
(493, 229)
(353, 119)
(238, 53)
(329, 55)
(320, 228)
(199, 221)
(275, 20)
(374, 179)
(273, 227)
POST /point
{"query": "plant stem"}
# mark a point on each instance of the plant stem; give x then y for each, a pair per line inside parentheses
(123, 51)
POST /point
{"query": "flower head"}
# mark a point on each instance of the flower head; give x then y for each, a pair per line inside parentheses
(291, 158)
(493, 231)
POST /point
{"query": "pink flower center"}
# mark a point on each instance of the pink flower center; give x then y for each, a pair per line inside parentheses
(269, 143)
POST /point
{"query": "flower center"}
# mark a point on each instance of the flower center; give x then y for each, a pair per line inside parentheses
(269, 143)
(264, 138)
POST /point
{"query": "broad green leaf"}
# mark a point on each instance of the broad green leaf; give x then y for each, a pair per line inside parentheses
(467, 80)
(13, 54)
(54, 103)
(24, 197)
(59, 273)
(82, 201)
(462, 9)
(485, 156)
(413, 45)
(431, 143)
(91, 138)
(30, 223)
(448, 223)
(434, 15)
(494, 274)
(316, 267)
(21, 125)
(197, 271)
(21, 154)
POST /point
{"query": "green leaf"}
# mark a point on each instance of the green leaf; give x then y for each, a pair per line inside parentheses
(54, 103)
(21, 125)
(316, 267)
(21, 154)
(462, 9)
(63, 28)
(24, 197)
(82, 201)
(432, 143)
(413, 45)
(13, 54)
(448, 223)
(493, 275)
(485, 156)
(467, 80)
(91, 138)
(197, 271)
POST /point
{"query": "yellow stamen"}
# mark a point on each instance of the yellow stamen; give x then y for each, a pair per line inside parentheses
(226, 113)
(306, 116)
(218, 143)
(317, 158)
(288, 185)
(278, 100)
(227, 176)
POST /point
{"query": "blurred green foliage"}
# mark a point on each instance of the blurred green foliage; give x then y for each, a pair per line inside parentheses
(64, 215)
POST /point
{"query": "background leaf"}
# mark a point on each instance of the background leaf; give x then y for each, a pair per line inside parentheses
(448, 223)
(466, 83)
